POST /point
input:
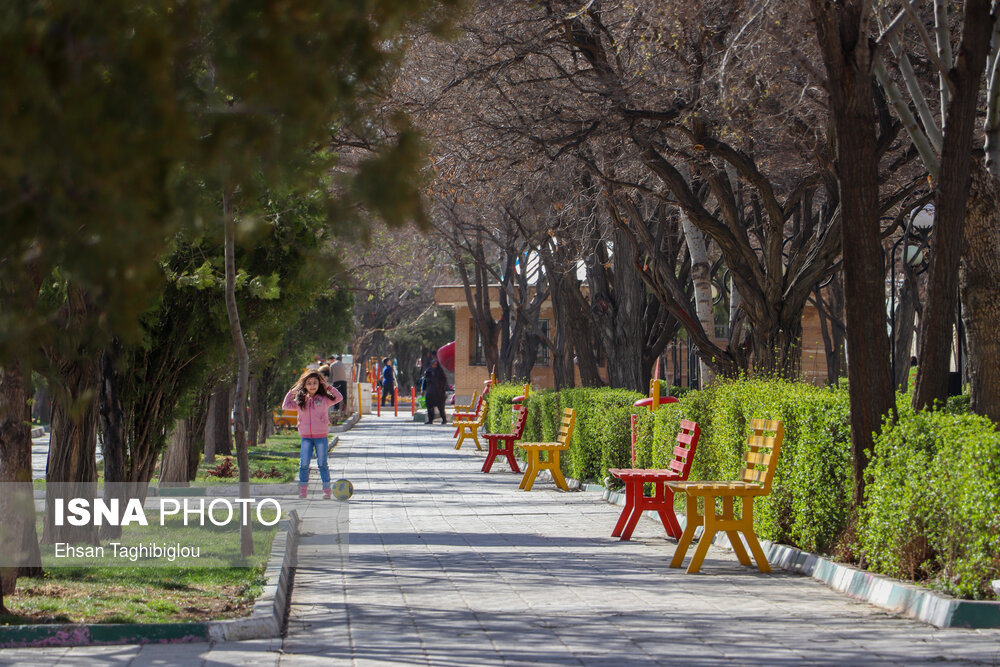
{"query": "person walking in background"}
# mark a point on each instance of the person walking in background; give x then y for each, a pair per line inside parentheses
(338, 378)
(312, 397)
(435, 384)
(388, 381)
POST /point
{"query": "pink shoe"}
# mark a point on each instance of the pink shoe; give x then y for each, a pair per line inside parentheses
(326, 494)
(303, 491)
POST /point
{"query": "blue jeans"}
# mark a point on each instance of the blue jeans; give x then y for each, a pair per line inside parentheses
(305, 456)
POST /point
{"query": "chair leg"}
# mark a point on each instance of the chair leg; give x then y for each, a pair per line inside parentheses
(693, 521)
(557, 475)
(734, 535)
(461, 438)
(491, 457)
(664, 501)
(626, 511)
(475, 439)
(531, 471)
(751, 536)
(706, 537)
(633, 521)
(509, 451)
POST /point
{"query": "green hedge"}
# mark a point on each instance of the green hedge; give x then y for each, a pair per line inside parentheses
(933, 490)
(932, 502)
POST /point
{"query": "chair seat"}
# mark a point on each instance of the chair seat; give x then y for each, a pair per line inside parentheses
(649, 474)
(543, 445)
(718, 488)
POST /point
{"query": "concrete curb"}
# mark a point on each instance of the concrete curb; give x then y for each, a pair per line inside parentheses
(266, 620)
(270, 609)
(37, 432)
(893, 595)
(346, 426)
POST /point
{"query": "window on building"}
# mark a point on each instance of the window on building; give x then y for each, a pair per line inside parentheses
(542, 356)
(476, 356)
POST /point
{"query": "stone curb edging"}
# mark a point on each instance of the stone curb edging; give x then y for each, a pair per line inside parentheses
(897, 596)
(266, 619)
(269, 610)
(37, 432)
(346, 426)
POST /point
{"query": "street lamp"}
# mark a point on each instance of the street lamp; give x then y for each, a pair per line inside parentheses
(914, 239)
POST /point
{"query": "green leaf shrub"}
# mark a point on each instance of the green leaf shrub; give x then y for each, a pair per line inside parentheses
(932, 502)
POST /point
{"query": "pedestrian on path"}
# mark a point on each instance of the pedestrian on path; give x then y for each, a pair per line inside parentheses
(435, 384)
(338, 377)
(388, 382)
(312, 397)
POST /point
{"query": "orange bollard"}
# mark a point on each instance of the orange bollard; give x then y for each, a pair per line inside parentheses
(395, 400)
(413, 400)
(378, 400)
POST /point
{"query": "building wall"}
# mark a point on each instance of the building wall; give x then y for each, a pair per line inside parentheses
(469, 378)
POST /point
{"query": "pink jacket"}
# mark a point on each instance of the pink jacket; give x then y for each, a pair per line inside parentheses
(314, 418)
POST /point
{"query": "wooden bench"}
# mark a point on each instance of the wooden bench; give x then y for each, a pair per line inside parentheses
(494, 440)
(755, 480)
(463, 411)
(552, 450)
(469, 428)
(468, 415)
(285, 419)
(662, 499)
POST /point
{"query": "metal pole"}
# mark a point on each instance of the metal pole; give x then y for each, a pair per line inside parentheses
(378, 396)
(395, 400)
(413, 400)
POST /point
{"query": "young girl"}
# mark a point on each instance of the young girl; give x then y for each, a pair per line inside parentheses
(312, 397)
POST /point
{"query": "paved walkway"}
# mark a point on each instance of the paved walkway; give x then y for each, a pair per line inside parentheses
(448, 566)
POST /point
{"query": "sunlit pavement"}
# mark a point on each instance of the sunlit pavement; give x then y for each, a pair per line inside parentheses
(448, 566)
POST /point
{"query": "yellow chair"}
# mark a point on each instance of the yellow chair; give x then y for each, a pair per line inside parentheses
(462, 409)
(469, 428)
(755, 480)
(553, 449)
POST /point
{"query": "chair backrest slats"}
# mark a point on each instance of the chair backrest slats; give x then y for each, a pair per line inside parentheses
(762, 452)
(520, 420)
(687, 443)
(566, 429)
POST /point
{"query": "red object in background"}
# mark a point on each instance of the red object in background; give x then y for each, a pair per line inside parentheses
(446, 357)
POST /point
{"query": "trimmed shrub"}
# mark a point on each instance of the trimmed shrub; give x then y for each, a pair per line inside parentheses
(932, 502)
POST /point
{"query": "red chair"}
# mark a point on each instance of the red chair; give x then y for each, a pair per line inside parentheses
(662, 500)
(494, 440)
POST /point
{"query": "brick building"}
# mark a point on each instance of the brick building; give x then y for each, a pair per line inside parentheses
(471, 370)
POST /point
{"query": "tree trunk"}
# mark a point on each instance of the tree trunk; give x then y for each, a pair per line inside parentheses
(777, 349)
(950, 195)
(979, 279)
(903, 320)
(842, 32)
(701, 278)
(217, 434)
(71, 471)
(18, 537)
(112, 432)
(253, 427)
(242, 375)
(174, 464)
(196, 433)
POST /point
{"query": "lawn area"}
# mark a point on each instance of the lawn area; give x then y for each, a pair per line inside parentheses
(286, 441)
(264, 469)
(150, 593)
